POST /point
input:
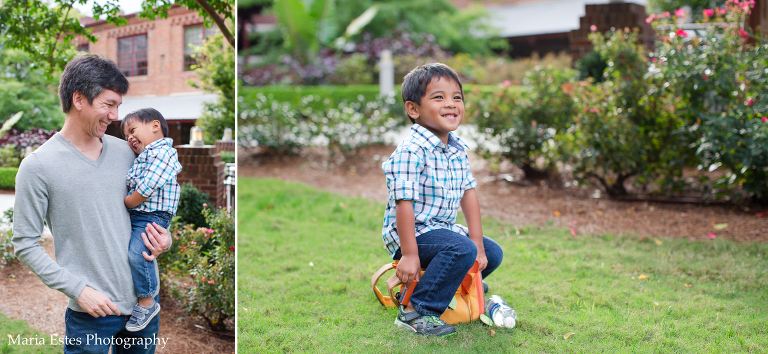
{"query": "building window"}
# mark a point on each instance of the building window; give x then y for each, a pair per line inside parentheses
(82, 47)
(132, 55)
(194, 37)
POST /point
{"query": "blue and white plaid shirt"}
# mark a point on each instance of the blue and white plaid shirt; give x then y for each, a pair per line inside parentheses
(432, 174)
(153, 175)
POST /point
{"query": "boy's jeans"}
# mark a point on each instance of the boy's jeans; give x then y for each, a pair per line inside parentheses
(143, 272)
(447, 257)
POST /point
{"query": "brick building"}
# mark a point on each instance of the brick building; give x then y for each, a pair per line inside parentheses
(155, 56)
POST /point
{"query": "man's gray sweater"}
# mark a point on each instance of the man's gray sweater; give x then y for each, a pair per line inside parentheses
(82, 202)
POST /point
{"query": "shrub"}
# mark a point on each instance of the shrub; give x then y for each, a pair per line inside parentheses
(208, 257)
(526, 123)
(8, 177)
(719, 83)
(591, 65)
(227, 156)
(353, 70)
(278, 127)
(6, 246)
(191, 205)
(9, 156)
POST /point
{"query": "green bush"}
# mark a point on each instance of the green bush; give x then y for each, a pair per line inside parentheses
(207, 255)
(6, 247)
(9, 156)
(227, 156)
(591, 65)
(526, 123)
(191, 205)
(8, 177)
(353, 70)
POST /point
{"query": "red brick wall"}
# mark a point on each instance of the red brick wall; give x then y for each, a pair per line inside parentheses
(203, 168)
(605, 17)
(228, 146)
(165, 52)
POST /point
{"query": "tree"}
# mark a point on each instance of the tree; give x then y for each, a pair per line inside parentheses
(24, 88)
(46, 32)
(217, 74)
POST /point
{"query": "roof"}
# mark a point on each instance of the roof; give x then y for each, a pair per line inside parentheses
(536, 18)
(176, 107)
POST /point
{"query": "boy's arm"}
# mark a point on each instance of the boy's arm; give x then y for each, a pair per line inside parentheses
(471, 208)
(133, 200)
(409, 266)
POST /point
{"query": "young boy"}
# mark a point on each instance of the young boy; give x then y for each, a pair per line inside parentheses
(428, 178)
(153, 196)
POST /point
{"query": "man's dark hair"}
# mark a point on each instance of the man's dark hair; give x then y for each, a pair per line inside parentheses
(146, 116)
(415, 83)
(90, 74)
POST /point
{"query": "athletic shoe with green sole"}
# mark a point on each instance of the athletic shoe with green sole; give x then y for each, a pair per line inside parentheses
(424, 325)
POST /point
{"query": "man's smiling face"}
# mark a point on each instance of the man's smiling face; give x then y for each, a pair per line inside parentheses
(96, 117)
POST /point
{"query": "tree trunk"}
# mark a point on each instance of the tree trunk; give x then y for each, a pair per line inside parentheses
(532, 173)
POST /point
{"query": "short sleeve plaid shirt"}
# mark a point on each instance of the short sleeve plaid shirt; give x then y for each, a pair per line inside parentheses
(432, 174)
(153, 175)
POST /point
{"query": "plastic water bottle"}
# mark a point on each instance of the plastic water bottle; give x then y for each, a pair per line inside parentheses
(498, 310)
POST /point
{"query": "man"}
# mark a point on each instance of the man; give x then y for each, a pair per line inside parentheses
(76, 183)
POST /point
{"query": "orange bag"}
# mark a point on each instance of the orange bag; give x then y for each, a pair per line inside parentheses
(467, 305)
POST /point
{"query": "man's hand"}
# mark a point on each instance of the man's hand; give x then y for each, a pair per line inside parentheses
(96, 303)
(156, 239)
(408, 269)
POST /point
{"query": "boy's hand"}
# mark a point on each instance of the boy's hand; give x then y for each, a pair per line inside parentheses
(482, 260)
(408, 269)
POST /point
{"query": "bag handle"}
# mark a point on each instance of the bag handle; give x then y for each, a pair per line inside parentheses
(386, 301)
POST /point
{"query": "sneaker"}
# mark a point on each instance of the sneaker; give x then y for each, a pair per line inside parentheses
(141, 316)
(424, 325)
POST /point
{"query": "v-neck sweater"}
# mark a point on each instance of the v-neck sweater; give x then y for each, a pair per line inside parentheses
(81, 200)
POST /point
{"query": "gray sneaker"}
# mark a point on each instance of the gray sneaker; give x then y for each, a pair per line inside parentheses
(141, 316)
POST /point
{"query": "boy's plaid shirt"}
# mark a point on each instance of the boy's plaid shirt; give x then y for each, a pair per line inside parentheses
(434, 176)
(153, 175)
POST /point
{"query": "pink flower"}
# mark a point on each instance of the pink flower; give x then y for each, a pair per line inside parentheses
(665, 38)
(593, 28)
(681, 33)
(721, 11)
(650, 18)
(744, 35)
(679, 13)
(533, 123)
(708, 12)
(210, 231)
(665, 14)
(205, 205)
(704, 77)
(594, 110)
(203, 278)
(507, 83)
(765, 119)
(749, 102)
(211, 282)
(232, 248)
(671, 108)
(712, 236)
(654, 59)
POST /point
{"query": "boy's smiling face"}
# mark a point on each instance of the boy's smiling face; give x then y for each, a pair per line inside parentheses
(140, 134)
(442, 108)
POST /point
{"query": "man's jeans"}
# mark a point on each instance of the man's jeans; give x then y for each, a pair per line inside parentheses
(86, 334)
(447, 257)
(143, 272)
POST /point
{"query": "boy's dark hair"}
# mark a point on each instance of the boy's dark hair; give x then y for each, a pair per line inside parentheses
(90, 74)
(415, 83)
(146, 116)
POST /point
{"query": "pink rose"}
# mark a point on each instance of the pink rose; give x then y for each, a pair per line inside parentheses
(203, 278)
(666, 14)
(232, 248)
(654, 59)
(704, 77)
(507, 83)
(205, 205)
(650, 18)
(749, 102)
(708, 12)
(765, 119)
(210, 231)
(744, 35)
(210, 282)
(681, 33)
(721, 11)
(679, 13)
(593, 28)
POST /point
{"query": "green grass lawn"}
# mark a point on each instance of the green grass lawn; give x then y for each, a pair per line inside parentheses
(23, 338)
(558, 284)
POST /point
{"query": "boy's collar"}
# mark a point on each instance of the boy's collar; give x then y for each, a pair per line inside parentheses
(162, 141)
(433, 141)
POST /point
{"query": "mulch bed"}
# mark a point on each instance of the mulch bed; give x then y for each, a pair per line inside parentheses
(518, 203)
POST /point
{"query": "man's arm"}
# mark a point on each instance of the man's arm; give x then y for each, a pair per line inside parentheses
(471, 208)
(409, 266)
(30, 208)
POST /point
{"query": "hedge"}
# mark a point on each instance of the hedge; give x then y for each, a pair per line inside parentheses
(8, 177)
